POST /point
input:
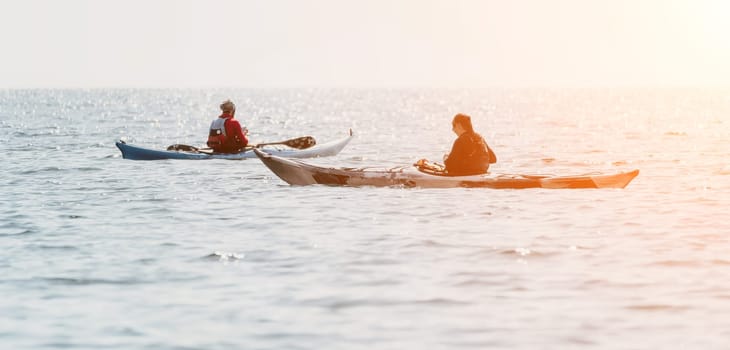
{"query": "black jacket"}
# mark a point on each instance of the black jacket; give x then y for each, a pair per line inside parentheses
(470, 155)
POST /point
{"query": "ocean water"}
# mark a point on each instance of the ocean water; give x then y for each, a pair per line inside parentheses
(99, 252)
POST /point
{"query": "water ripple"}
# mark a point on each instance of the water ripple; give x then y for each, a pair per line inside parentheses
(73, 281)
(223, 256)
(658, 307)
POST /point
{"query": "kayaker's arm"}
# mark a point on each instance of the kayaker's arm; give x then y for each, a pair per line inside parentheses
(454, 157)
(492, 156)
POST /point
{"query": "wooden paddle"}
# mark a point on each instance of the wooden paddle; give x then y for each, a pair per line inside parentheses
(429, 167)
(303, 142)
(181, 147)
(187, 148)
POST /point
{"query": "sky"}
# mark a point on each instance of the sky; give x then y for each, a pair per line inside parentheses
(373, 43)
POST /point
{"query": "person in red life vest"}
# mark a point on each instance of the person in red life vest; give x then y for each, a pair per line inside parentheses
(226, 134)
(470, 154)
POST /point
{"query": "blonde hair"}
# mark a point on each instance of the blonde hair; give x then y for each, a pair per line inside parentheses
(228, 106)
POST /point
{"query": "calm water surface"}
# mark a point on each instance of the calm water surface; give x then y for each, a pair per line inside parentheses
(102, 252)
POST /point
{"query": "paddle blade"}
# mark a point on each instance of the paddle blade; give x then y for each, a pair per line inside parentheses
(180, 147)
(429, 167)
(303, 142)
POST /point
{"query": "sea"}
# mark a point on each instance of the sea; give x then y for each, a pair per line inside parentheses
(100, 252)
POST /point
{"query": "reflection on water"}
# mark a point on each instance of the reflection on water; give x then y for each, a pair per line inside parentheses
(105, 252)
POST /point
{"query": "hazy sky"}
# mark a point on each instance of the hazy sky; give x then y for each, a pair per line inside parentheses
(365, 43)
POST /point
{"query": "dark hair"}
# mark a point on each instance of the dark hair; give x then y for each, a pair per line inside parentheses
(464, 120)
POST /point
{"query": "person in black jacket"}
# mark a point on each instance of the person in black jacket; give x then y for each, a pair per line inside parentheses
(470, 154)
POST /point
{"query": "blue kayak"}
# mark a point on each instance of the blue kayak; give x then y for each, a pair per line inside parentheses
(320, 150)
